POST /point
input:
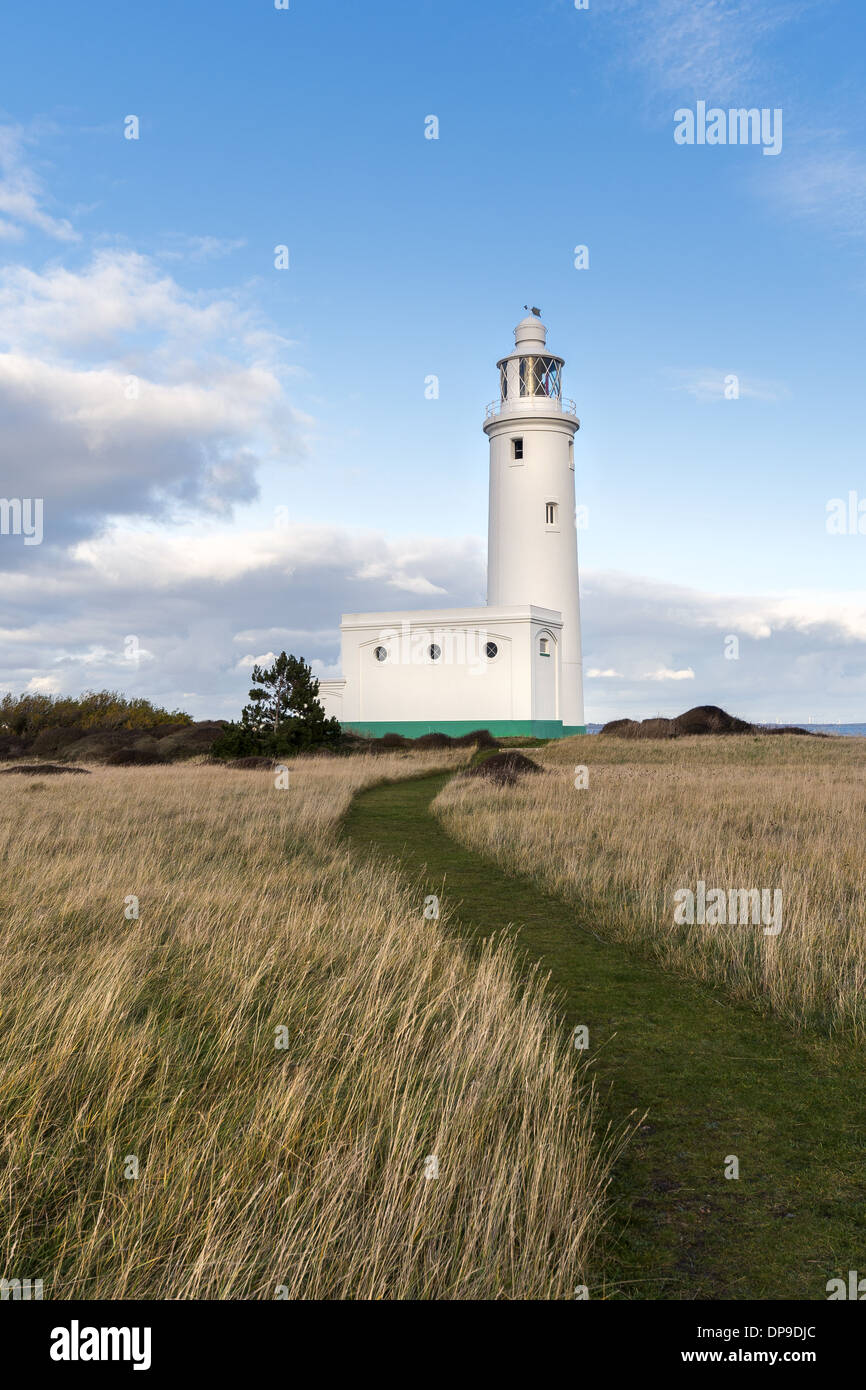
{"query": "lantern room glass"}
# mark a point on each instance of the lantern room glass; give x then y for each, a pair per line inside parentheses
(540, 376)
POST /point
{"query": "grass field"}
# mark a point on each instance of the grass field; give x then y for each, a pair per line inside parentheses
(775, 812)
(281, 1043)
(712, 1078)
(149, 1044)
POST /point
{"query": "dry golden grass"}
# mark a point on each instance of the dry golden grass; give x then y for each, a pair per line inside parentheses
(267, 1172)
(737, 812)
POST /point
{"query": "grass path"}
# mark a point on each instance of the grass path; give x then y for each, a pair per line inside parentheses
(716, 1078)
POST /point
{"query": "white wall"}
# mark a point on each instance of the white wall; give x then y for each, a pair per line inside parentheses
(529, 560)
(463, 683)
(331, 697)
(545, 701)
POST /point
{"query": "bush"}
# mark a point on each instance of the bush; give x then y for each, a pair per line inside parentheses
(434, 740)
(478, 738)
(239, 740)
(188, 740)
(10, 747)
(135, 757)
(50, 741)
(481, 738)
(284, 716)
(25, 715)
(504, 768)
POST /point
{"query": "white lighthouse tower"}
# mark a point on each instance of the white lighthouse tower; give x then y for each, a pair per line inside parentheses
(514, 666)
(532, 534)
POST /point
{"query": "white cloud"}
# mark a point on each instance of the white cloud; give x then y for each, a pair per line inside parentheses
(118, 294)
(203, 248)
(287, 634)
(705, 48)
(157, 560)
(195, 600)
(22, 196)
(110, 406)
(246, 663)
(393, 572)
(799, 653)
(324, 671)
(708, 384)
(117, 397)
(828, 183)
(719, 51)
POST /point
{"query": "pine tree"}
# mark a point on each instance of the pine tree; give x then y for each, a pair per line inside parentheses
(284, 710)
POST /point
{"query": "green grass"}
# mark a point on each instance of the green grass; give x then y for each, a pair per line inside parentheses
(715, 1077)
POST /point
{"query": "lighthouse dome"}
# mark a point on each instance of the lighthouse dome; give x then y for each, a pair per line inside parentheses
(530, 334)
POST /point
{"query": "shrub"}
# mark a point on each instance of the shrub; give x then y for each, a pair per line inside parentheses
(239, 740)
(135, 757)
(481, 738)
(503, 768)
(284, 715)
(25, 715)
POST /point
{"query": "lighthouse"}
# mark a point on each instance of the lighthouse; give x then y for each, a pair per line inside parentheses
(513, 666)
(532, 532)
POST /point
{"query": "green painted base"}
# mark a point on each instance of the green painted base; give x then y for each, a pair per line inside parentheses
(499, 728)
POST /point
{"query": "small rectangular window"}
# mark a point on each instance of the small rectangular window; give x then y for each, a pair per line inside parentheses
(544, 646)
(517, 448)
(550, 513)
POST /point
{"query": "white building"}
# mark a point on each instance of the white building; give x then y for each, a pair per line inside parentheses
(513, 667)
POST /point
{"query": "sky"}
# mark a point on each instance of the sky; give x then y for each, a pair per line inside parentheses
(232, 451)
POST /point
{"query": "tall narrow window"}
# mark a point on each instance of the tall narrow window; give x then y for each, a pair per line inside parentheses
(550, 513)
(544, 646)
(517, 448)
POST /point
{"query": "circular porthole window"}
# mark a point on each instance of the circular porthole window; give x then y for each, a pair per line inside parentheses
(434, 651)
(491, 649)
(381, 653)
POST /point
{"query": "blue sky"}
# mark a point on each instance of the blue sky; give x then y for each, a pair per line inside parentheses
(281, 463)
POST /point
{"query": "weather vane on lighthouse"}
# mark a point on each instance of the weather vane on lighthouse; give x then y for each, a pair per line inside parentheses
(534, 310)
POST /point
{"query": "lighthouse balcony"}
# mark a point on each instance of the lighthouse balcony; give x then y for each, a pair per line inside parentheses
(538, 405)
